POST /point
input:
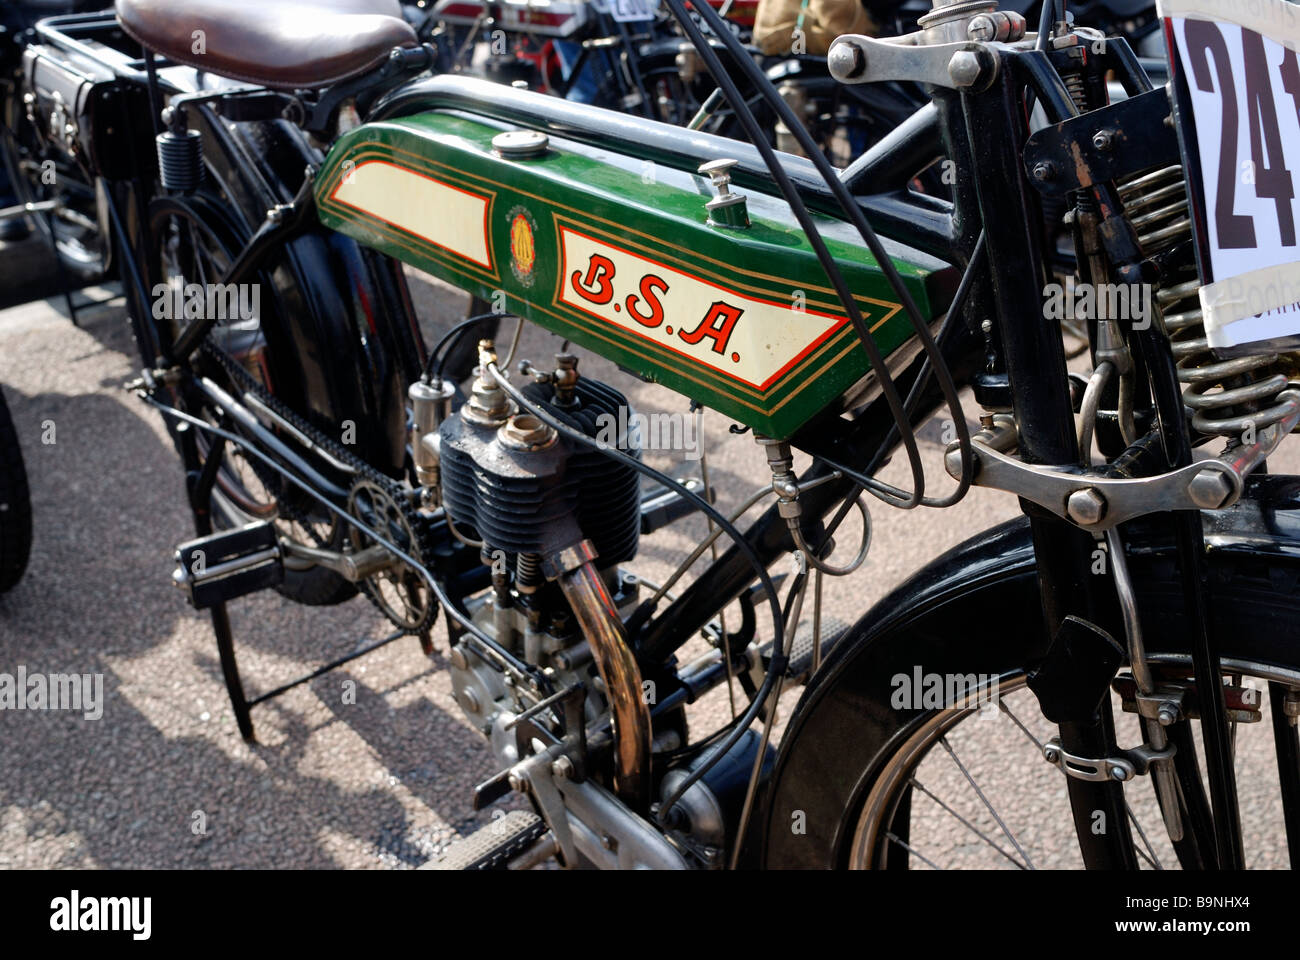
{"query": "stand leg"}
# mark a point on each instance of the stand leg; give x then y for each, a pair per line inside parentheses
(200, 480)
(230, 670)
(65, 281)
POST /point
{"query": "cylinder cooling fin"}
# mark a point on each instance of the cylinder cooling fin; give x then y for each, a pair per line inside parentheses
(524, 490)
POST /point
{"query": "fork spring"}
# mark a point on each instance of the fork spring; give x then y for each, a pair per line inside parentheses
(1225, 397)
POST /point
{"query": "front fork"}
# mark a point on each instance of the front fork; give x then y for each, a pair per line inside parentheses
(1034, 359)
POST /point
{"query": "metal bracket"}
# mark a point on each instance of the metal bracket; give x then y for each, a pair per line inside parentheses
(1098, 503)
(854, 58)
(1106, 144)
(1121, 768)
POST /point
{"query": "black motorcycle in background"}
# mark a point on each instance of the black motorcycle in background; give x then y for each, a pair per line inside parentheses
(44, 152)
(15, 505)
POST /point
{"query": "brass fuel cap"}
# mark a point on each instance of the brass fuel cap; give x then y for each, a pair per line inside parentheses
(727, 209)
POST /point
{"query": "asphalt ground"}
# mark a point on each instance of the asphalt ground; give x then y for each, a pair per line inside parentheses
(163, 779)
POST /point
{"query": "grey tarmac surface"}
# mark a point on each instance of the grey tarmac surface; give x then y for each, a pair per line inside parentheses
(383, 782)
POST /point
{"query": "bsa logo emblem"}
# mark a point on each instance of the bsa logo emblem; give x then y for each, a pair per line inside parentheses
(523, 245)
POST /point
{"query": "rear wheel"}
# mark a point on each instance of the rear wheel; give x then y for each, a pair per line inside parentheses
(195, 243)
(15, 505)
(72, 227)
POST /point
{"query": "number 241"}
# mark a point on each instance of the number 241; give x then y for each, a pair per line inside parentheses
(1273, 181)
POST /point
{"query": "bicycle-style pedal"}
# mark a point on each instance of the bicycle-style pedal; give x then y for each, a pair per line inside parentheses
(230, 564)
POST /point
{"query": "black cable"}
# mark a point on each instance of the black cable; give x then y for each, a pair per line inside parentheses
(447, 341)
(855, 215)
(1045, 22)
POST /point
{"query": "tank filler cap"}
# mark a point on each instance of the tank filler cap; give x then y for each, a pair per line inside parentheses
(520, 144)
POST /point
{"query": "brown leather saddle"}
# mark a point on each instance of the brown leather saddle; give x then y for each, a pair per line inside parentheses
(287, 44)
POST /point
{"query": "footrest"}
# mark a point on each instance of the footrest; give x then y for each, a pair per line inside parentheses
(229, 564)
(493, 845)
(801, 650)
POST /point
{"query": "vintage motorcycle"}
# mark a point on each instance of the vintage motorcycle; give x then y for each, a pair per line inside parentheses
(271, 319)
(44, 163)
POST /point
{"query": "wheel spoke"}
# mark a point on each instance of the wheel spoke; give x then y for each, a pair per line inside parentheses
(966, 823)
(1153, 859)
(980, 793)
(905, 846)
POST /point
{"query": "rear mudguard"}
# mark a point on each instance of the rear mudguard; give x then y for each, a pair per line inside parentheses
(351, 335)
(344, 342)
(976, 609)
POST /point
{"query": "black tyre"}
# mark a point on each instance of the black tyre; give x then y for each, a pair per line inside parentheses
(15, 505)
(194, 241)
(914, 785)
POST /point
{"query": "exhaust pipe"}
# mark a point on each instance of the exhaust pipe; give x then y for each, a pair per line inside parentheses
(600, 624)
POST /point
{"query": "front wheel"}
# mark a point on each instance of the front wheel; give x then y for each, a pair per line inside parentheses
(884, 768)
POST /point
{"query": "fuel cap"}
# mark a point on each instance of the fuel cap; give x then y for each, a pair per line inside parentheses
(520, 144)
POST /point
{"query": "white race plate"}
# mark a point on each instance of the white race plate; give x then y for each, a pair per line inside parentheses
(1239, 116)
(633, 11)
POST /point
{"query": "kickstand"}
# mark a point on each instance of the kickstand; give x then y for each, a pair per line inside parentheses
(200, 479)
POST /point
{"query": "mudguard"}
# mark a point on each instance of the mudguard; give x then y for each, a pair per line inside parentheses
(976, 609)
(345, 343)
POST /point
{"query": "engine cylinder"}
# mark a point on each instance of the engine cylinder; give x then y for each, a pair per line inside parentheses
(538, 497)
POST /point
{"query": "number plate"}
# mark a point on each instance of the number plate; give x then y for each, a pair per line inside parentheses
(1236, 86)
(633, 11)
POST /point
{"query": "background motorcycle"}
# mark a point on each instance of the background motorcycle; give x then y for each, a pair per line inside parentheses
(15, 504)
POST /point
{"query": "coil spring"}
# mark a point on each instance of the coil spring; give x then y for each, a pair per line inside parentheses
(528, 572)
(180, 160)
(1078, 91)
(1156, 203)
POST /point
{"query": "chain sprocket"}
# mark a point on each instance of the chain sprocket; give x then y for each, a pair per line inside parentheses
(398, 591)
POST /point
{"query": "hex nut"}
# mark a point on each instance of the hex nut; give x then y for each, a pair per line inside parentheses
(846, 60)
(1209, 489)
(1086, 507)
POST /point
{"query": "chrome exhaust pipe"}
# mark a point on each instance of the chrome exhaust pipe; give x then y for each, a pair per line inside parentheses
(603, 630)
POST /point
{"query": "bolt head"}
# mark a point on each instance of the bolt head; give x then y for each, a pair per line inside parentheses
(458, 659)
(1044, 171)
(1118, 773)
(1209, 489)
(1103, 140)
(846, 60)
(982, 28)
(517, 783)
(1051, 754)
(562, 768)
(1086, 507)
(964, 68)
(1167, 714)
